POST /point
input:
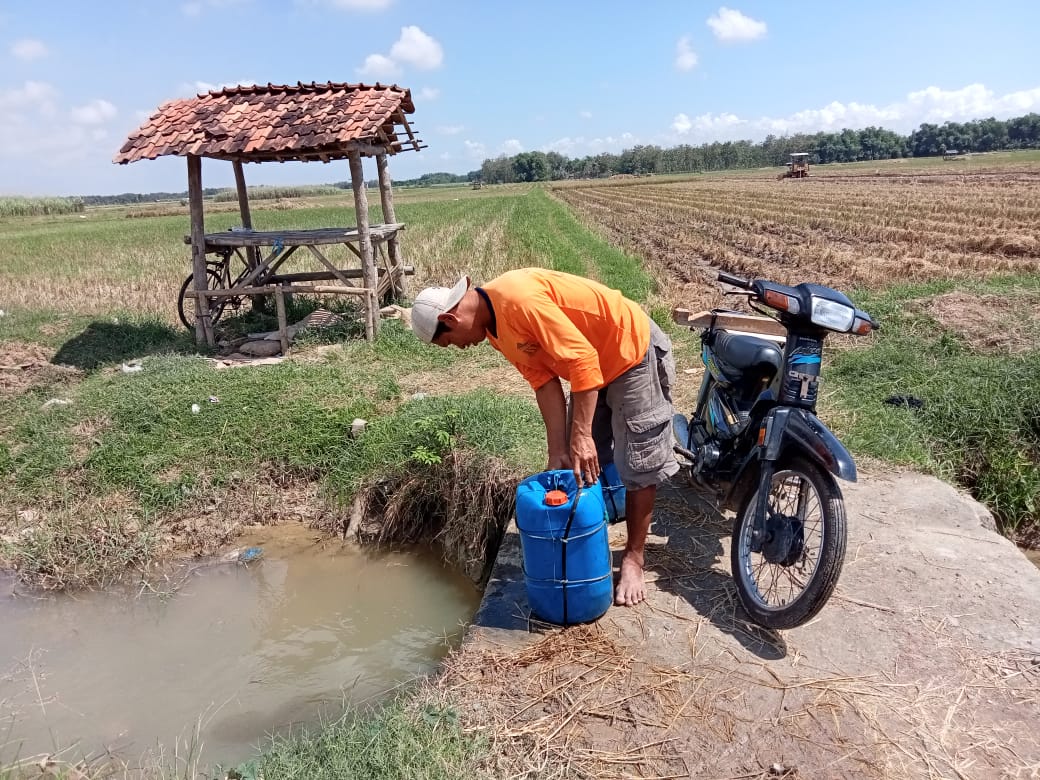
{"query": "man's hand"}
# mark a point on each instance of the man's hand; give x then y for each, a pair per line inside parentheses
(584, 459)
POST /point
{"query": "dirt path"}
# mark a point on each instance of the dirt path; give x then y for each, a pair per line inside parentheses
(925, 663)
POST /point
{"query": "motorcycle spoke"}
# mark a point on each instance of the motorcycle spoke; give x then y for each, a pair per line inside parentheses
(792, 498)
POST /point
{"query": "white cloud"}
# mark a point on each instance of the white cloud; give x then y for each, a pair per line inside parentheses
(475, 150)
(379, 66)
(95, 112)
(685, 56)
(28, 49)
(932, 104)
(416, 48)
(511, 147)
(585, 114)
(450, 129)
(429, 93)
(582, 147)
(33, 96)
(732, 26)
(191, 89)
(34, 123)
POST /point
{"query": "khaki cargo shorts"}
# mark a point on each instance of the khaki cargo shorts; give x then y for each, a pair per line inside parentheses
(632, 425)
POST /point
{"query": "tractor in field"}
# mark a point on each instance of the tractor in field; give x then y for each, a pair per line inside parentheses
(798, 167)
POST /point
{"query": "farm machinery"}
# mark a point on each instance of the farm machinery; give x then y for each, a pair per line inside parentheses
(798, 167)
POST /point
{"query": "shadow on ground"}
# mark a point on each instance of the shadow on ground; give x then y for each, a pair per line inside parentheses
(104, 342)
(685, 556)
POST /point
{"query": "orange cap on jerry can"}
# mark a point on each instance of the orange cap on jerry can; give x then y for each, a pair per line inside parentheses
(555, 498)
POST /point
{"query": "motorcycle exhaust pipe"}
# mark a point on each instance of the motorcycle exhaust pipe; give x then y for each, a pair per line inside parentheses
(681, 429)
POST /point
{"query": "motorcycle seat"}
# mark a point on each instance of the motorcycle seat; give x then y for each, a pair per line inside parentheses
(748, 353)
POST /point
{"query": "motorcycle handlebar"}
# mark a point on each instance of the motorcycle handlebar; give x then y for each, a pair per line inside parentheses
(736, 281)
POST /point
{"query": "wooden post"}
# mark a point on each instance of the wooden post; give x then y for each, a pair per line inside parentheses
(252, 253)
(368, 262)
(203, 327)
(283, 335)
(386, 196)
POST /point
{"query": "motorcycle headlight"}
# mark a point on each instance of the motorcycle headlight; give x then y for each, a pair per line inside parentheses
(832, 315)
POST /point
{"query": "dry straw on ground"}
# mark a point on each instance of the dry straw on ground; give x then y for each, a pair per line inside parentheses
(578, 702)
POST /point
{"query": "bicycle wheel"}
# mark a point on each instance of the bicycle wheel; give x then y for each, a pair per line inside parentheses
(186, 305)
(785, 575)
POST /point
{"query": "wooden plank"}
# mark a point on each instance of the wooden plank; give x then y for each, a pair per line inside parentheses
(332, 269)
(203, 326)
(315, 276)
(316, 236)
(322, 289)
(368, 266)
(735, 321)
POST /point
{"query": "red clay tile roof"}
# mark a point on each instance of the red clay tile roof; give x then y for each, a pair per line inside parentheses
(278, 122)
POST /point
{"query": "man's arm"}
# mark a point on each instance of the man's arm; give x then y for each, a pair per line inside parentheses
(584, 457)
(581, 454)
(553, 407)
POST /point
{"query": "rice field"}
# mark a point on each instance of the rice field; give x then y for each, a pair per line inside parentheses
(861, 231)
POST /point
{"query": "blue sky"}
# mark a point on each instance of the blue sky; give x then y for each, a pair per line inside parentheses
(491, 78)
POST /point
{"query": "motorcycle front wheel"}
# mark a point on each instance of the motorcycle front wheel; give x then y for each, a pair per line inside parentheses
(786, 573)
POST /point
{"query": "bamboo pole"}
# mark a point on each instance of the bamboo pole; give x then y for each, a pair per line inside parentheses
(368, 264)
(386, 196)
(203, 327)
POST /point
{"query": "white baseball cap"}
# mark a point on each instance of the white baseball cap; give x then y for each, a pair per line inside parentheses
(431, 303)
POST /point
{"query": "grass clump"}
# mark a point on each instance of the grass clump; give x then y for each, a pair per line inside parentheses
(979, 419)
(445, 469)
(400, 741)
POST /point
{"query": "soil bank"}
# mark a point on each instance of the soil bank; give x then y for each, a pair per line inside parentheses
(925, 663)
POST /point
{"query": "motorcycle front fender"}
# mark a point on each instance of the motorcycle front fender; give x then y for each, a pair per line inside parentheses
(789, 427)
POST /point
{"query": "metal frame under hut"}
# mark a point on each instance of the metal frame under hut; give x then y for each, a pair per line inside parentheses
(304, 122)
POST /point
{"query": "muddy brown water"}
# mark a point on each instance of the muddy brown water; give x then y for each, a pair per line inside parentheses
(235, 652)
(1033, 555)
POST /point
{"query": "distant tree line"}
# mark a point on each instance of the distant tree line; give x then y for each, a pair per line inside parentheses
(137, 197)
(871, 143)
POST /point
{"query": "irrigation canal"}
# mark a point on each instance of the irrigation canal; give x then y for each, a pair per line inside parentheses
(222, 654)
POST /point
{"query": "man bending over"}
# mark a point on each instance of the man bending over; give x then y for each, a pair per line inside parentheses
(619, 364)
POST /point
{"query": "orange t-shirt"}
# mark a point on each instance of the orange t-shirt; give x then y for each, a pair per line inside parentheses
(551, 324)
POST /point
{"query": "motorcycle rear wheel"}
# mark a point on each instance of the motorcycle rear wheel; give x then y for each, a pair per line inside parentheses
(806, 502)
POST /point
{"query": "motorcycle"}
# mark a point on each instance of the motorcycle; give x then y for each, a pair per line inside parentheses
(755, 444)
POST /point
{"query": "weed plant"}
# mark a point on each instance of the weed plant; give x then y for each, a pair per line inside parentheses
(978, 422)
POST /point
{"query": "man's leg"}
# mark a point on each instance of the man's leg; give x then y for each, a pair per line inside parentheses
(639, 509)
(642, 416)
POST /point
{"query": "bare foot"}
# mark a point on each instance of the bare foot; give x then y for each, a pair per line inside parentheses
(631, 588)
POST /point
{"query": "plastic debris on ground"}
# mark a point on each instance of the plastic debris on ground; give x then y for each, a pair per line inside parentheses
(55, 402)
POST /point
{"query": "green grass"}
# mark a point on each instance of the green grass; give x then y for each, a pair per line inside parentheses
(979, 425)
(420, 743)
(544, 232)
